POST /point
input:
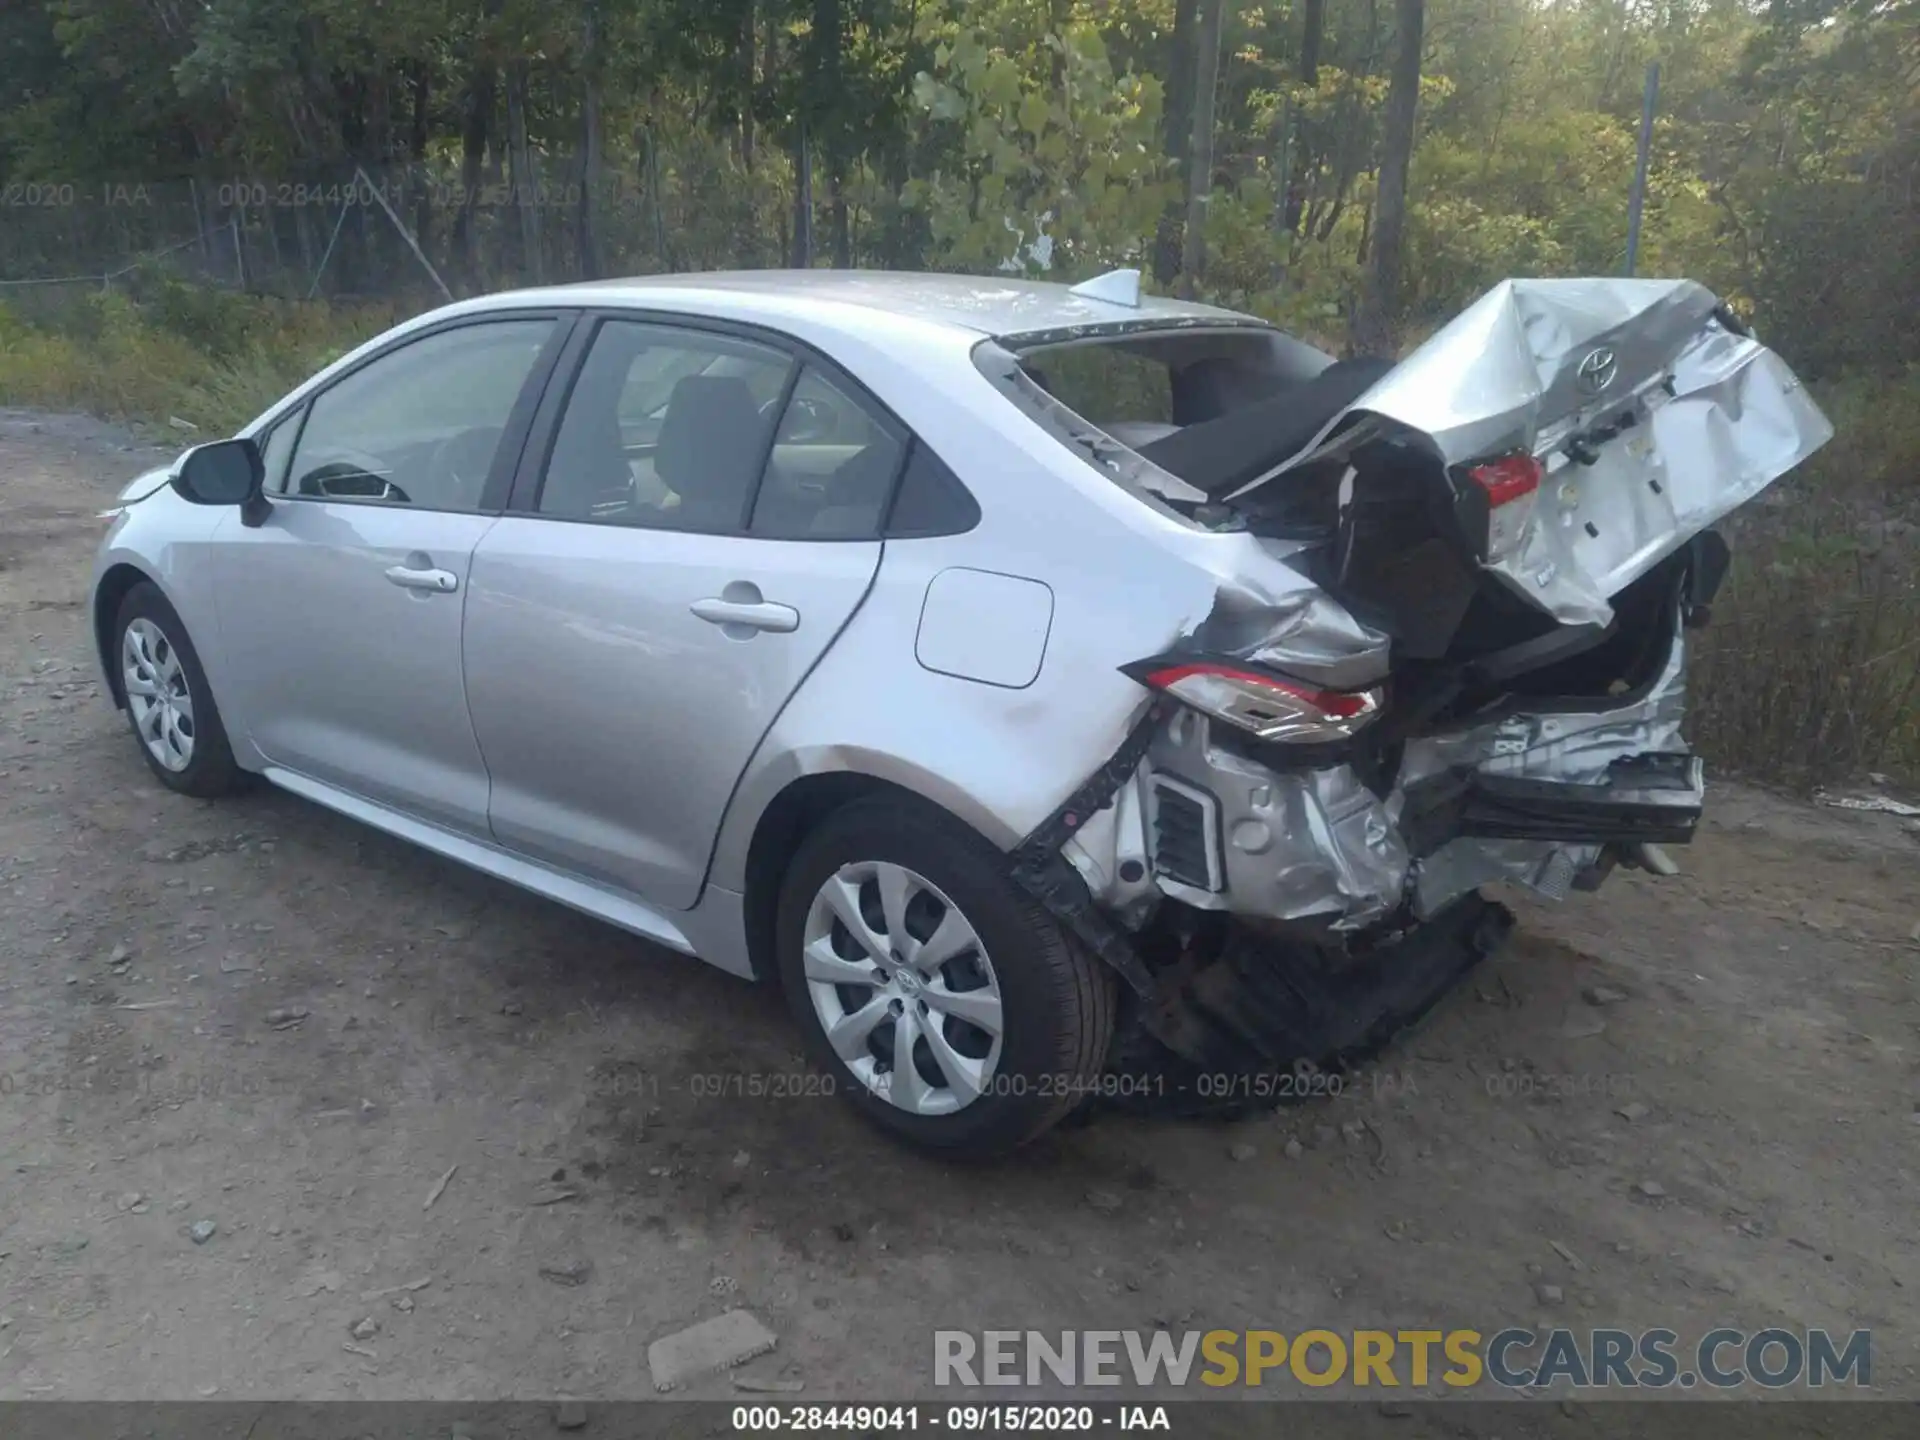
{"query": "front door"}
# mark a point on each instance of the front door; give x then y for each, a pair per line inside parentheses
(340, 614)
(707, 524)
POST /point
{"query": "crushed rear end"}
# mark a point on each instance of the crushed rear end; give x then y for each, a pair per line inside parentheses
(1460, 659)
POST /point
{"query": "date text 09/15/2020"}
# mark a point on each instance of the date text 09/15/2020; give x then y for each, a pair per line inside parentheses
(959, 1419)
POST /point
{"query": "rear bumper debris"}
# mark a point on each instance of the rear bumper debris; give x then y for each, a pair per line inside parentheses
(1262, 1008)
(1535, 799)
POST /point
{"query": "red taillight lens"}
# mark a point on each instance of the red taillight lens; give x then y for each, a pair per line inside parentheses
(1507, 480)
(1263, 705)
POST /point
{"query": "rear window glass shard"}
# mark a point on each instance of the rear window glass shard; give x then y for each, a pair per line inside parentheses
(1152, 406)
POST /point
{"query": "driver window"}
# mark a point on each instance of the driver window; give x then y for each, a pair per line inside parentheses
(418, 426)
(275, 448)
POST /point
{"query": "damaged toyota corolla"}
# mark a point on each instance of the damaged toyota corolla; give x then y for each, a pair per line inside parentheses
(1060, 693)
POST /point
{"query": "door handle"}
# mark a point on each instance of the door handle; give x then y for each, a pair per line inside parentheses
(440, 582)
(749, 615)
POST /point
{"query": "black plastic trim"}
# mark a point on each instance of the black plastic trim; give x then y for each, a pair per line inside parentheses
(1622, 810)
(1041, 870)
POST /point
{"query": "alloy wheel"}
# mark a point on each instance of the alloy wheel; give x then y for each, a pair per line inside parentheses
(158, 695)
(903, 988)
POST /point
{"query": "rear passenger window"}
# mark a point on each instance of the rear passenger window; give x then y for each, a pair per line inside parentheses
(832, 468)
(665, 428)
(932, 501)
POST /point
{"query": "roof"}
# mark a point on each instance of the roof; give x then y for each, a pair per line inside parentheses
(982, 305)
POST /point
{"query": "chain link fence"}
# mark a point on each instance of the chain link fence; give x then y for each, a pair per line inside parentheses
(428, 231)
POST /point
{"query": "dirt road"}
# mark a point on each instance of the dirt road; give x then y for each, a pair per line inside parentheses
(368, 1069)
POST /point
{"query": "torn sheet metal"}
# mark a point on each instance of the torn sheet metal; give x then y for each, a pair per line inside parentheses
(1294, 845)
(1303, 632)
(1462, 865)
(1320, 845)
(1562, 745)
(1653, 417)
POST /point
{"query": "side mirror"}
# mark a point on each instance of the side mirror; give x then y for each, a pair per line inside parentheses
(226, 472)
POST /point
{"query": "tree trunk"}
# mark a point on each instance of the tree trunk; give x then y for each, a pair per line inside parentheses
(749, 80)
(1287, 197)
(837, 209)
(590, 146)
(1313, 28)
(1373, 321)
(419, 132)
(802, 198)
(526, 185)
(1206, 79)
(473, 147)
(826, 104)
(1176, 124)
(1059, 15)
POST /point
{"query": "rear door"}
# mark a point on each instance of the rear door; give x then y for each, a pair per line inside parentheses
(702, 524)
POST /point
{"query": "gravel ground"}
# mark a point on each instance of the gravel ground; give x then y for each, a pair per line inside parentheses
(289, 1109)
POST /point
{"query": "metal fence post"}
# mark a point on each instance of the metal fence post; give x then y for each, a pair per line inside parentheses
(360, 176)
(1637, 201)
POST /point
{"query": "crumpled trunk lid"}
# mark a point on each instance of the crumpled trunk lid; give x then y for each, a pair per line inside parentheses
(1501, 544)
(1651, 410)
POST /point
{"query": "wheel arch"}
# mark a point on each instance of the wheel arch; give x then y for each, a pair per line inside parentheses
(799, 807)
(109, 592)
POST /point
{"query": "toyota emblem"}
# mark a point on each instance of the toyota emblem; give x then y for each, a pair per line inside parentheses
(1596, 372)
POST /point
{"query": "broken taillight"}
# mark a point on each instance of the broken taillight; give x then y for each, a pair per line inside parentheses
(1262, 704)
(1510, 485)
(1507, 480)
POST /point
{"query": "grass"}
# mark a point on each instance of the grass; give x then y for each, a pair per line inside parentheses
(164, 351)
(1810, 671)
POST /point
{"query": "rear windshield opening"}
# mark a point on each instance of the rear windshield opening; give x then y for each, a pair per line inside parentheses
(1182, 413)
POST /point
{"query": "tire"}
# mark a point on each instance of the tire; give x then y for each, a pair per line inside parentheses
(982, 1095)
(150, 641)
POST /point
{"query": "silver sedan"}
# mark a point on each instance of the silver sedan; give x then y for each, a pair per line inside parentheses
(1062, 694)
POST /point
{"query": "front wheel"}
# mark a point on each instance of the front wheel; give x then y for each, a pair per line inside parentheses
(951, 1008)
(168, 700)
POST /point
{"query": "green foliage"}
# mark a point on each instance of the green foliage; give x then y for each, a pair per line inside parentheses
(1063, 178)
(213, 360)
(1036, 136)
(1810, 671)
(1044, 135)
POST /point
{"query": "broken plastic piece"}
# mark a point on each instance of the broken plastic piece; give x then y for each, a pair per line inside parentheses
(1654, 860)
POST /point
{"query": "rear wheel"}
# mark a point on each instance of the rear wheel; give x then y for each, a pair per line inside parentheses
(168, 700)
(951, 1008)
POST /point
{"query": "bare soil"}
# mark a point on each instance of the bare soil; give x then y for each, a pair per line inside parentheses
(370, 1069)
